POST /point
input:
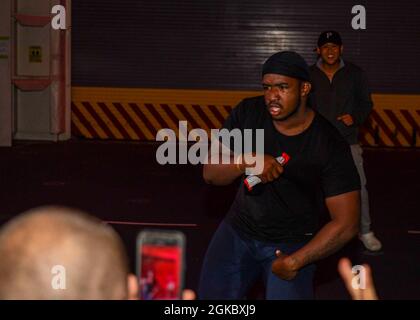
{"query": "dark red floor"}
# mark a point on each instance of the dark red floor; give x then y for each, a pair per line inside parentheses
(123, 182)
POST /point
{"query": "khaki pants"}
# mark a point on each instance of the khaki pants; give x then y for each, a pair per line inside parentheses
(357, 152)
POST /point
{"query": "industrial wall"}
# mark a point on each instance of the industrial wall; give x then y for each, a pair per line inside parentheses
(34, 71)
(162, 61)
(6, 115)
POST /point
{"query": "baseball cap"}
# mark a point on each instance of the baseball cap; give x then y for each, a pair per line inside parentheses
(329, 36)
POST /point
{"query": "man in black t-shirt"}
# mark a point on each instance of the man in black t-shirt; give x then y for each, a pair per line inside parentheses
(272, 231)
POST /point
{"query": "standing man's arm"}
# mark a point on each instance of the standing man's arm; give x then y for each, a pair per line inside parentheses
(363, 101)
(344, 211)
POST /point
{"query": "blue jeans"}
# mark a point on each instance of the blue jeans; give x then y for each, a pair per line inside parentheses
(234, 262)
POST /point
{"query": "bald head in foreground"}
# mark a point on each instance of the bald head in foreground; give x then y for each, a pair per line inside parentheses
(91, 252)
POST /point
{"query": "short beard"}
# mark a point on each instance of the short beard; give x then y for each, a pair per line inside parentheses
(294, 111)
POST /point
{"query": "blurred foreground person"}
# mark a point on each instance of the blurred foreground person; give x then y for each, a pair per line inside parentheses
(60, 253)
(89, 252)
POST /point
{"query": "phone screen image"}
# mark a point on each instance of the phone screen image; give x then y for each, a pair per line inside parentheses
(160, 272)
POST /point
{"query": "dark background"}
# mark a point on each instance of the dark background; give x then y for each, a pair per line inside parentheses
(117, 181)
(215, 44)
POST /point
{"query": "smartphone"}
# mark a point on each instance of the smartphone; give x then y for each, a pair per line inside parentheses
(160, 264)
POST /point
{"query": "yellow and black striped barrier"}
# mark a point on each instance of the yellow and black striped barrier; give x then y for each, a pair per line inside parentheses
(138, 114)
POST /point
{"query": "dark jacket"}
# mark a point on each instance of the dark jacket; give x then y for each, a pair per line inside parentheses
(347, 93)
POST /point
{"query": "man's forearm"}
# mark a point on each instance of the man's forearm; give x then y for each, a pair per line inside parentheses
(328, 240)
(221, 174)
(363, 102)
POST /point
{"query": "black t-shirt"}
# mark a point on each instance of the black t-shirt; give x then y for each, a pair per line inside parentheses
(320, 166)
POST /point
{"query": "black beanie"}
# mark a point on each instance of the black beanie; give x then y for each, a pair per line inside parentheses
(287, 63)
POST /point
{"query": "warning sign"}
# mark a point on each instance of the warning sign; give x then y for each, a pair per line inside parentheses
(35, 54)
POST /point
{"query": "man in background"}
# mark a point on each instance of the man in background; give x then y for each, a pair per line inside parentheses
(341, 94)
